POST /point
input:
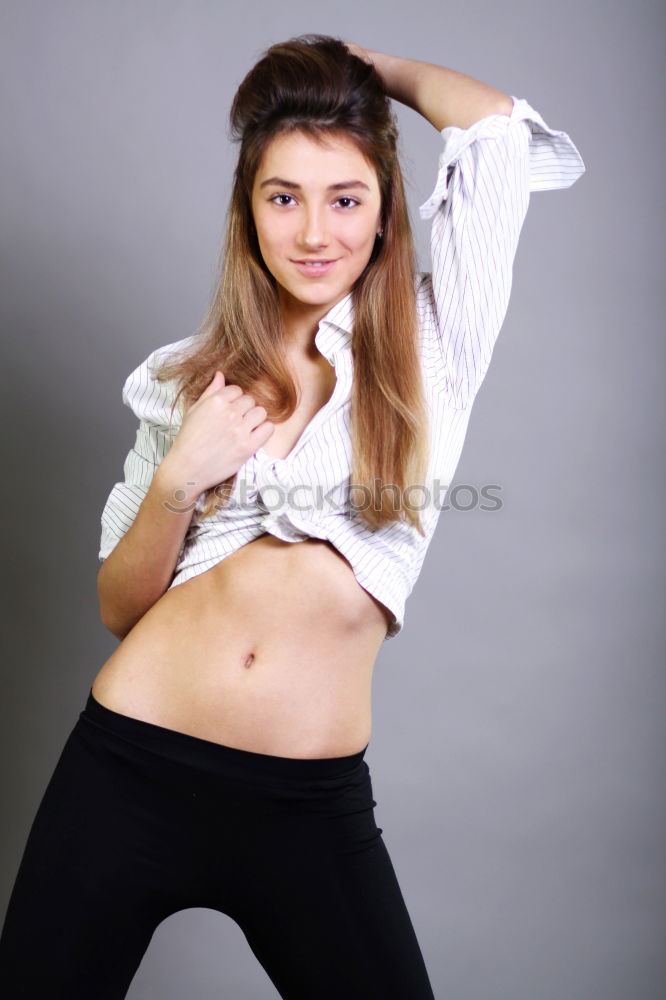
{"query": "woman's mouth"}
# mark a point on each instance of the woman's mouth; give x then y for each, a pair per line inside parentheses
(312, 268)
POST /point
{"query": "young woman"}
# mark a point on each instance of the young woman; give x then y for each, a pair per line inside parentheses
(289, 468)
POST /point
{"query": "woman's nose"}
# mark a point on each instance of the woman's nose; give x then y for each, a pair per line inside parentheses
(314, 231)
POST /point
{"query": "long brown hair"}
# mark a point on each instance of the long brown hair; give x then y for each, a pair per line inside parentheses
(314, 84)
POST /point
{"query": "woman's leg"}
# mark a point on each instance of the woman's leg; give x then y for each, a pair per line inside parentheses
(93, 882)
(323, 911)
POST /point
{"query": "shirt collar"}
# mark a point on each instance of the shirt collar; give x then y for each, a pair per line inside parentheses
(335, 328)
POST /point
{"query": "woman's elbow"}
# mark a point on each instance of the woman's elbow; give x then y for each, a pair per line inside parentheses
(107, 613)
(111, 622)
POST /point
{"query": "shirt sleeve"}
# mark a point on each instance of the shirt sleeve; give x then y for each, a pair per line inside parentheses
(151, 402)
(485, 177)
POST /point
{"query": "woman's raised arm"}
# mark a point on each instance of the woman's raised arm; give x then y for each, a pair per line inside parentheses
(497, 149)
(443, 96)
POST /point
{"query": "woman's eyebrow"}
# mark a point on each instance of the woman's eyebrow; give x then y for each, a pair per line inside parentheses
(344, 185)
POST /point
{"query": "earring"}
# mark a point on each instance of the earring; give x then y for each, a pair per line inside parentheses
(380, 233)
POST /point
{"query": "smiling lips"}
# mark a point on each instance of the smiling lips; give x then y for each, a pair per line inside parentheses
(312, 267)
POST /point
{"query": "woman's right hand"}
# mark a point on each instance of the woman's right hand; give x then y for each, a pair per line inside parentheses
(218, 434)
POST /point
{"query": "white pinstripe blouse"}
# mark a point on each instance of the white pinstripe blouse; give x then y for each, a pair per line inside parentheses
(478, 205)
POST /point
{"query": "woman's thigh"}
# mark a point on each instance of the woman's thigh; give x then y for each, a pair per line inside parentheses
(323, 911)
(90, 888)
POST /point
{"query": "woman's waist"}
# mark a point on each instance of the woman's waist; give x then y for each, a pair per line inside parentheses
(274, 649)
(277, 644)
(274, 699)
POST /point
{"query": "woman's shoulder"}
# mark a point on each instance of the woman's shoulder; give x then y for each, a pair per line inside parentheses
(149, 398)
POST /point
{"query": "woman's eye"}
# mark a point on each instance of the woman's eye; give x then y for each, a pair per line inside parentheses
(343, 198)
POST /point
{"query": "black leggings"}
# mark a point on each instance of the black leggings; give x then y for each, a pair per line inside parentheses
(139, 821)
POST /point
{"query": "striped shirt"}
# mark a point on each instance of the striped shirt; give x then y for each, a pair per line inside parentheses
(485, 176)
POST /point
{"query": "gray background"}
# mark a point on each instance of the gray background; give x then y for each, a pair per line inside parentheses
(518, 742)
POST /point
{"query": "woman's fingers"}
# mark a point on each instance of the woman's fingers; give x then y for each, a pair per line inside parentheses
(217, 382)
(357, 50)
(218, 434)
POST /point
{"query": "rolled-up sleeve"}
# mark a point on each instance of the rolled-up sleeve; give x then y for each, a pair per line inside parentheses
(478, 206)
(151, 402)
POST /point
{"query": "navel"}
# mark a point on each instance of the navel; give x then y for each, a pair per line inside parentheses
(249, 659)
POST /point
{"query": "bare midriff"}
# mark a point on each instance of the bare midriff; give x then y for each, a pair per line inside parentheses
(272, 650)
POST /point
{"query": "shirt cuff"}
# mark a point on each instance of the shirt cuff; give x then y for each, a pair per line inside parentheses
(554, 161)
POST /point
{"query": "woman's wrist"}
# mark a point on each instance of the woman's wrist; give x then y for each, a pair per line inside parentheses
(174, 488)
(401, 77)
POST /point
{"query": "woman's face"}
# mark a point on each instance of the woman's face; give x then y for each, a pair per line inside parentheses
(315, 202)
